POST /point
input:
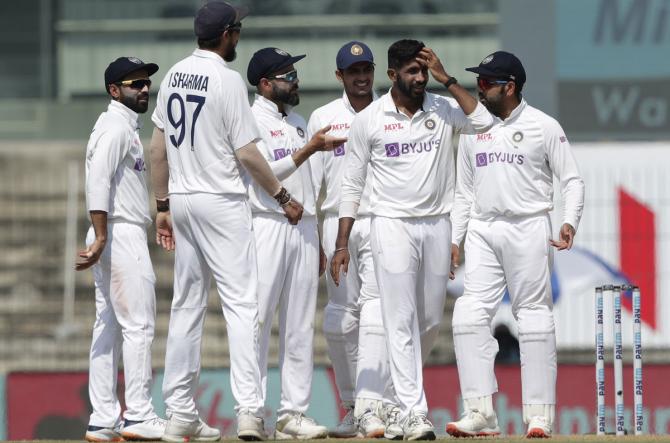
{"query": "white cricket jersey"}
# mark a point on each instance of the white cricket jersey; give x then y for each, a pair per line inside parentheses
(411, 159)
(508, 171)
(329, 166)
(204, 111)
(281, 136)
(115, 169)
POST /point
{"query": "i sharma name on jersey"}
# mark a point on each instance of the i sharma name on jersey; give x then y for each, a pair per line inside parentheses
(188, 81)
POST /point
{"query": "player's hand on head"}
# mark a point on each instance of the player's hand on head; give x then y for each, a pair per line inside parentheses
(90, 256)
(324, 142)
(339, 263)
(566, 237)
(455, 260)
(426, 57)
(164, 233)
(293, 211)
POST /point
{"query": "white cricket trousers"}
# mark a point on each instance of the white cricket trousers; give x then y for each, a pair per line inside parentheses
(125, 315)
(412, 258)
(213, 238)
(512, 253)
(353, 320)
(288, 264)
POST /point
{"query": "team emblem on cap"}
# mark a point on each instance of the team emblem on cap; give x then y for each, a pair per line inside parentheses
(356, 50)
(281, 52)
(430, 123)
(301, 133)
(135, 60)
(487, 59)
(518, 136)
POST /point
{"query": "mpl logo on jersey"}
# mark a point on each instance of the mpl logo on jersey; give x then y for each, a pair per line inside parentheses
(276, 133)
(397, 149)
(393, 127)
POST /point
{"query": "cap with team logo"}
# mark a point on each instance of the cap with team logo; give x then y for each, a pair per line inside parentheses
(503, 65)
(353, 52)
(122, 66)
(267, 61)
(214, 17)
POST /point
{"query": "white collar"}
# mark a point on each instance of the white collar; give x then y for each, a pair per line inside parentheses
(128, 114)
(429, 103)
(270, 107)
(516, 112)
(347, 103)
(203, 53)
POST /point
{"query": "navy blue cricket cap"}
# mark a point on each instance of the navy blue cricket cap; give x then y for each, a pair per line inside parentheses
(122, 66)
(502, 65)
(267, 61)
(353, 52)
(214, 17)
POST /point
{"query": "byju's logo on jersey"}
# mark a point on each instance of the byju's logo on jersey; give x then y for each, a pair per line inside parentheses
(139, 165)
(282, 152)
(485, 158)
(392, 149)
(338, 151)
(398, 149)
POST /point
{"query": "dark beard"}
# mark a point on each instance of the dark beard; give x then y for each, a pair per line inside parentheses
(134, 104)
(406, 90)
(290, 98)
(494, 106)
(230, 55)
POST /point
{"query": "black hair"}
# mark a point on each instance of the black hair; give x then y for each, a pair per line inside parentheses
(402, 52)
(210, 43)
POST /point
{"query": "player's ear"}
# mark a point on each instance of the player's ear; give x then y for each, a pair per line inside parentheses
(338, 76)
(114, 91)
(392, 74)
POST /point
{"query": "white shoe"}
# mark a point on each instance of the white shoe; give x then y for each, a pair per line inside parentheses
(474, 424)
(250, 427)
(538, 427)
(347, 428)
(370, 425)
(297, 426)
(184, 431)
(152, 429)
(418, 427)
(101, 434)
(393, 429)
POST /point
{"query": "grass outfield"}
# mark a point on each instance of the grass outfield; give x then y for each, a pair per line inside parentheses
(561, 438)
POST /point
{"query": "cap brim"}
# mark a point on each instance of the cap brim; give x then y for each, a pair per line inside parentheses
(242, 11)
(150, 67)
(289, 62)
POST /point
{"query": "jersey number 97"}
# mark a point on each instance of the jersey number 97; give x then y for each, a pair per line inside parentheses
(179, 121)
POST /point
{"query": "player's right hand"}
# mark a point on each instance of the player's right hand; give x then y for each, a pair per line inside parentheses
(455, 260)
(293, 211)
(324, 142)
(339, 261)
(164, 233)
(90, 256)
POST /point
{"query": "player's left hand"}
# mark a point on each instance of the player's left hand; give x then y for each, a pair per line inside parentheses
(323, 261)
(567, 234)
(90, 256)
(455, 260)
(164, 233)
(426, 57)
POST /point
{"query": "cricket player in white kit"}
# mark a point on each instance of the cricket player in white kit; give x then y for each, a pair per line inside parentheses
(204, 121)
(125, 302)
(405, 137)
(289, 258)
(504, 193)
(352, 319)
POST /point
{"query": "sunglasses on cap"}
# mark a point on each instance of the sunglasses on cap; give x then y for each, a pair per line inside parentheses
(290, 76)
(140, 83)
(237, 26)
(485, 83)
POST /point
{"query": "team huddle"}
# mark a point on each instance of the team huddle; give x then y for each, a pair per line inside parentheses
(236, 190)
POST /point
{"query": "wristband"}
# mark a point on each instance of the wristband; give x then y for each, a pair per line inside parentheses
(451, 81)
(282, 197)
(163, 205)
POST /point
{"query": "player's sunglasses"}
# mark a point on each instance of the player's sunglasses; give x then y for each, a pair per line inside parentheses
(290, 77)
(139, 84)
(486, 83)
(237, 26)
